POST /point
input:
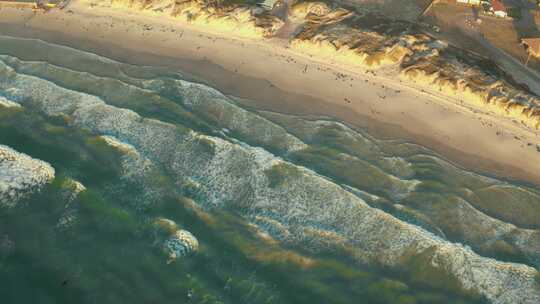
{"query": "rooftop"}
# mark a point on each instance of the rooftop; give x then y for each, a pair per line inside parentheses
(497, 5)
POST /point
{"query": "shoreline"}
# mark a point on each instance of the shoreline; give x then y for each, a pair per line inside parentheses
(268, 76)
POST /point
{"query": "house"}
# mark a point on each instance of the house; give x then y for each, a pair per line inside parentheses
(469, 2)
(499, 9)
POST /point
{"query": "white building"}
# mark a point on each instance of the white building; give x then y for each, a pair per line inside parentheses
(498, 9)
(469, 2)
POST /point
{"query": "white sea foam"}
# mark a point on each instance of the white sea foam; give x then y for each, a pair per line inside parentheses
(197, 97)
(176, 242)
(71, 189)
(20, 175)
(10, 39)
(137, 169)
(302, 203)
(4, 102)
(179, 244)
(399, 167)
(202, 98)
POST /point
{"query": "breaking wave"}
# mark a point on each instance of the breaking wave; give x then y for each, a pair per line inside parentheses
(20, 175)
(227, 164)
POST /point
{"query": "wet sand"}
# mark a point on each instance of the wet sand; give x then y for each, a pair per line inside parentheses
(267, 75)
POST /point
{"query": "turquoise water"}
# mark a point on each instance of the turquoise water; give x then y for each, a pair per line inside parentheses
(284, 209)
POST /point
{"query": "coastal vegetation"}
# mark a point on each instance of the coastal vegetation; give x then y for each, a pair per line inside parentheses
(343, 36)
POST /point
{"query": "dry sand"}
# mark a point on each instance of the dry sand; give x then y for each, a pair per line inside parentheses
(268, 75)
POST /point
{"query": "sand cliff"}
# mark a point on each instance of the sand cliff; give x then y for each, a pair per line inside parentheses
(469, 84)
(330, 33)
(240, 20)
(327, 31)
(347, 38)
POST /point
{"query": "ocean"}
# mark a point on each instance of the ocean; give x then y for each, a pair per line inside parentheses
(165, 190)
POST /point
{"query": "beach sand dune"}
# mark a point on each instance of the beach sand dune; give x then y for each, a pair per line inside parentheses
(270, 75)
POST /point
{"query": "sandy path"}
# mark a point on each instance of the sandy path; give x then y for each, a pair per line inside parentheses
(270, 76)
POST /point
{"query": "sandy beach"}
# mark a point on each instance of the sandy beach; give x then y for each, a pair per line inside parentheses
(268, 75)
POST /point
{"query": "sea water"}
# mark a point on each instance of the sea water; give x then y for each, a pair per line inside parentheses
(168, 191)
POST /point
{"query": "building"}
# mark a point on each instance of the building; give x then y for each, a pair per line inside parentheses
(469, 2)
(499, 9)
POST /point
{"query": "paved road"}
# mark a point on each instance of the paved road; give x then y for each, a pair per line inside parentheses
(512, 66)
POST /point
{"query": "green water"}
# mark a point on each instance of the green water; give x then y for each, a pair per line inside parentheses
(110, 254)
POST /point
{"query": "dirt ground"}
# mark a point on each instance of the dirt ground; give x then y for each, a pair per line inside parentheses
(408, 10)
(458, 24)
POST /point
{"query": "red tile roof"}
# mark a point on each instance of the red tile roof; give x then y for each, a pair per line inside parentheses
(497, 5)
